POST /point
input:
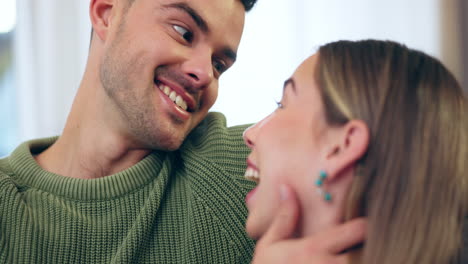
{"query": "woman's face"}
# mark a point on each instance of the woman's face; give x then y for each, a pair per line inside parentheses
(286, 149)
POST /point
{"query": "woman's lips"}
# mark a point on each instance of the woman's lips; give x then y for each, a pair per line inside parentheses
(250, 195)
(251, 173)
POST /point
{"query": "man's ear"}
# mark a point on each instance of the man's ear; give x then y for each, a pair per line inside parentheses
(100, 12)
(348, 145)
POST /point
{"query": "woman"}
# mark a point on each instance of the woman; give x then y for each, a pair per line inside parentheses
(377, 130)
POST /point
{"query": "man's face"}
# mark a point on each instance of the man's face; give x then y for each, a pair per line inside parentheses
(162, 62)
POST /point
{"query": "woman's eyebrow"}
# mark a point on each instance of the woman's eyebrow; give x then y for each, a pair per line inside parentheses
(293, 85)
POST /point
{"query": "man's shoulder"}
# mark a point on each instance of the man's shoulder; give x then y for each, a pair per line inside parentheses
(213, 135)
(7, 183)
(217, 150)
(21, 159)
(5, 168)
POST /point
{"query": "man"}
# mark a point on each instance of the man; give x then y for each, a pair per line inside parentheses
(125, 182)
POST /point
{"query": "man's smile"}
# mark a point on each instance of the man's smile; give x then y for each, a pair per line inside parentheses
(177, 95)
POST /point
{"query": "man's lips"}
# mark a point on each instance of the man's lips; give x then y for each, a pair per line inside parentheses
(177, 94)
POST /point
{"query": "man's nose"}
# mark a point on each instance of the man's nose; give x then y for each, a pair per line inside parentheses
(199, 68)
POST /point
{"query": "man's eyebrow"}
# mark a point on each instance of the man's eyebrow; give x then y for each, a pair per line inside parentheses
(230, 54)
(293, 84)
(201, 23)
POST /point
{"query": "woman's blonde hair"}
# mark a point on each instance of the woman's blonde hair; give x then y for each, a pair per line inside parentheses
(412, 182)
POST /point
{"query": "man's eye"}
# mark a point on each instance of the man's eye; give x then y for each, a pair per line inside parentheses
(185, 33)
(220, 66)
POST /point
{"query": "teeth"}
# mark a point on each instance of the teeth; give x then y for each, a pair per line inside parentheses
(252, 174)
(180, 102)
(173, 95)
(177, 99)
(167, 90)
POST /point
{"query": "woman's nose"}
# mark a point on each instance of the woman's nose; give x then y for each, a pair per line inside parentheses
(249, 136)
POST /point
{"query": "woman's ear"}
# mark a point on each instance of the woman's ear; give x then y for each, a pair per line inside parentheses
(346, 146)
(100, 12)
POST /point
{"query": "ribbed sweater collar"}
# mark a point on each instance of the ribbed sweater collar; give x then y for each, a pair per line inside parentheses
(28, 173)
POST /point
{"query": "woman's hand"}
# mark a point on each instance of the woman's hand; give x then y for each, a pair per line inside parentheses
(279, 246)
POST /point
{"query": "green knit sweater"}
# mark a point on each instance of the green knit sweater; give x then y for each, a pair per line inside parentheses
(185, 206)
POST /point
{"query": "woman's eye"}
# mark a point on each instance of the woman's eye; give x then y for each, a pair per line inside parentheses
(279, 104)
(185, 33)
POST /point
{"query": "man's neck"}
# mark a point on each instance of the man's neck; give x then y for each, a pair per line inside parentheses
(91, 145)
(89, 155)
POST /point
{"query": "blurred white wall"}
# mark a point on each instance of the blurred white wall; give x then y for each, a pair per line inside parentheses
(279, 34)
(51, 45)
(53, 38)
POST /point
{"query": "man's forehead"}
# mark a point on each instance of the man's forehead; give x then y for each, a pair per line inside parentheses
(214, 9)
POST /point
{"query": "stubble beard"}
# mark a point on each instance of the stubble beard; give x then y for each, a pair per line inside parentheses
(119, 74)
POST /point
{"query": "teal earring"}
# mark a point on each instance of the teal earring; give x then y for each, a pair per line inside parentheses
(319, 183)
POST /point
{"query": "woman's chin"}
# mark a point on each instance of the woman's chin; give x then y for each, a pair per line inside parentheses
(252, 230)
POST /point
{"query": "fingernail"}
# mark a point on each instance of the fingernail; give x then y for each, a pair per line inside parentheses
(284, 192)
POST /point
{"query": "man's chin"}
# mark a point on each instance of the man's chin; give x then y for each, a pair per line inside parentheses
(155, 142)
(173, 147)
(170, 145)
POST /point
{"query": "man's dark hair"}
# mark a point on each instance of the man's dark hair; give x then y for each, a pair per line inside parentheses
(248, 4)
